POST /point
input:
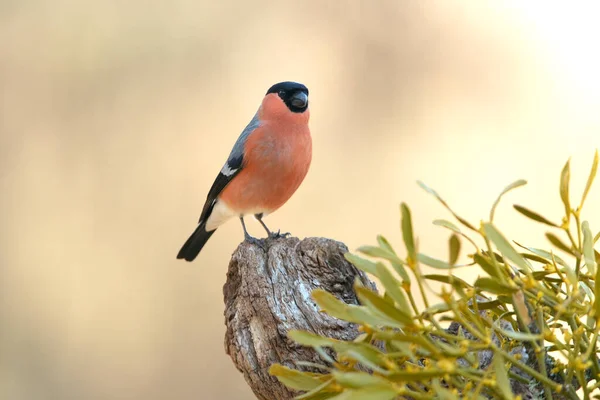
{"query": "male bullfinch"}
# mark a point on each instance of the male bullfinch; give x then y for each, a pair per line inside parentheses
(267, 164)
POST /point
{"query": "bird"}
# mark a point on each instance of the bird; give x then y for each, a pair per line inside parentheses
(267, 164)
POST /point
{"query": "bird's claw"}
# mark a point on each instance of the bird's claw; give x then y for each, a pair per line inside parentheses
(278, 235)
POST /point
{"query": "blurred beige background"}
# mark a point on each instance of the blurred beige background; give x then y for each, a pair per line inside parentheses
(116, 116)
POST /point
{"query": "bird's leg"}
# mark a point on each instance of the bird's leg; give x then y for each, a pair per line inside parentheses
(272, 235)
(247, 237)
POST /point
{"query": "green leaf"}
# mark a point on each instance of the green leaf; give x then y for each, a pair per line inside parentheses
(358, 380)
(520, 336)
(535, 257)
(371, 393)
(366, 358)
(420, 375)
(379, 306)
(447, 224)
(390, 256)
(533, 215)
(502, 381)
(565, 176)
(310, 339)
(399, 268)
(364, 265)
(543, 253)
(590, 180)
(449, 279)
(332, 305)
(385, 244)
(454, 248)
(294, 379)
(507, 189)
(488, 305)
(392, 287)
(347, 312)
(494, 286)
(378, 252)
(559, 244)
(597, 297)
(588, 248)
(319, 393)
(504, 246)
(436, 309)
(407, 231)
(596, 237)
(486, 264)
(433, 262)
(437, 196)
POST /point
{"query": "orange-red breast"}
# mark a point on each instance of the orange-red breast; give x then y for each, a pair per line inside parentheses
(267, 164)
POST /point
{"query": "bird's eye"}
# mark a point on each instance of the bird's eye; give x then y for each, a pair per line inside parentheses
(281, 93)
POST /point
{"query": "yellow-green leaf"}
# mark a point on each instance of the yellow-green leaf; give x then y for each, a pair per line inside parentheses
(411, 376)
(392, 287)
(565, 176)
(366, 358)
(486, 264)
(385, 244)
(533, 215)
(436, 309)
(321, 392)
(447, 224)
(374, 251)
(502, 381)
(454, 248)
(407, 231)
(362, 264)
(295, 379)
(494, 286)
(504, 246)
(310, 339)
(520, 336)
(378, 305)
(449, 279)
(588, 248)
(357, 380)
(370, 393)
(507, 189)
(435, 263)
(559, 244)
(543, 253)
(437, 196)
(331, 304)
(590, 180)
(351, 313)
(597, 297)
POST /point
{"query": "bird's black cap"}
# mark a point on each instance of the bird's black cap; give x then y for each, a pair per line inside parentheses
(293, 94)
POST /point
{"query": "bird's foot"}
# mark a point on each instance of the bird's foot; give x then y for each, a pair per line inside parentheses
(278, 235)
(253, 240)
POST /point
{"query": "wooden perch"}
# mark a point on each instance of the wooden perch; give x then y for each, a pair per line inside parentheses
(267, 293)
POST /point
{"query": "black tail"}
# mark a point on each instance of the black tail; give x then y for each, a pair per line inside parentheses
(194, 244)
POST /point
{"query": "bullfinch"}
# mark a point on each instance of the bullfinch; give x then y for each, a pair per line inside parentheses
(267, 164)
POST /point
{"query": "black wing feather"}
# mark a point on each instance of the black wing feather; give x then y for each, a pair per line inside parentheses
(218, 185)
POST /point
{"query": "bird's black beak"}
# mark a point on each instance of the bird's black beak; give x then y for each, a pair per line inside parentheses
(299, 99)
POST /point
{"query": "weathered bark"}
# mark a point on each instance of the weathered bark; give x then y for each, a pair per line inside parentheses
(267, 293)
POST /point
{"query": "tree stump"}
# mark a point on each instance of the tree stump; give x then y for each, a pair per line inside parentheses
(267, 293)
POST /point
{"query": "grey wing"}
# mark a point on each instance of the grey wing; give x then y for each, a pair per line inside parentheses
(232, 167)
